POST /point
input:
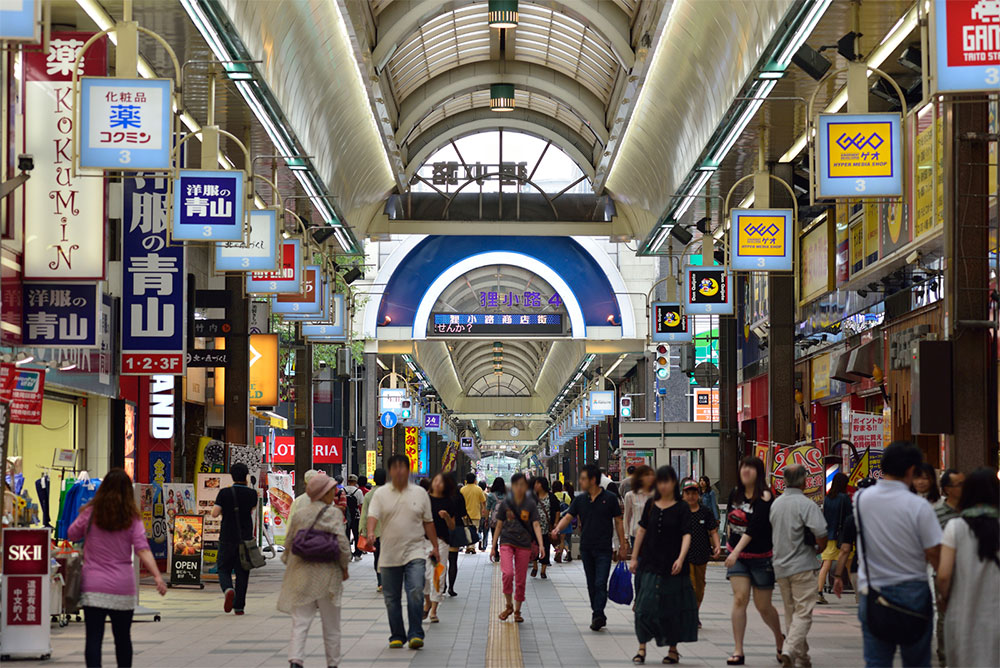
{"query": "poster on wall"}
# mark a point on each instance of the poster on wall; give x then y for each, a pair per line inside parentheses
(867, 433)
(808, 456)
(152, 510)
(211, 456)
(63, 215)
(186, 550)
(179, 501)
(280, 494)
(24, 391)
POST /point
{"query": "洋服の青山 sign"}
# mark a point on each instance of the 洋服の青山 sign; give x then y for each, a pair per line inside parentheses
(326, 450)
(61, 315)
(967, 36)
(208, 205)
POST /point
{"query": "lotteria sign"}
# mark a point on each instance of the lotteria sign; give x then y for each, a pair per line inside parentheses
(966, 36)
(326, 450)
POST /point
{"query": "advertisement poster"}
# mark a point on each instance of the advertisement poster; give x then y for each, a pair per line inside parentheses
(186, 552)
(412, 447)
(179, 501)
(867, 434)
(24, 393)
(280, 494)
(808, 456)
(207, 488)
(211, 456)
(153, 513)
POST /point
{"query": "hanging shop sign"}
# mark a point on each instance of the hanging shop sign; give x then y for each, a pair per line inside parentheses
(423, 458)
(860, 155)
(263, 369)
(370, 464)
(288, 279)
(334, 331)
(208, 205)
(602, 402)
(125, 123)
(186, 550)
(61, 315)
(762, 239)
(809, 457)
(509, 324)
(24, 390)
(63, 215)
(259, 253)
(707, 290)
(669, 324)
(153, 283)
(432, 422)
(390, 400)
(24, 623)
(326, 449)
(21, 20)
(706, 404)
(310, 304)
(411, 436)
(817, 258)
(966, 34)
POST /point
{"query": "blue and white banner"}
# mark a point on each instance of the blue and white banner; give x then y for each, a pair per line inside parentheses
(309, 303)
(602, 403)
(260, 253)
(20, 20)
(208, 205)
(153, 280)
(287, 279)
(125, 123)
(61, 315)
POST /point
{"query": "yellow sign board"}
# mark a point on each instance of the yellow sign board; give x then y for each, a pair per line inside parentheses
(860, 150)
(816, 258)
(857, 235)
(411, 445)
(263, 369)
(821, 376)
(370, 463)
(768, 237)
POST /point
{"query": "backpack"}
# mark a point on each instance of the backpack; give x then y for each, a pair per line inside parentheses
(352, 506)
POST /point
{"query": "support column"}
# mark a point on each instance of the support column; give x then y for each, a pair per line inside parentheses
(729, 453)
(237, 406)
(370, 415)
(303, 417)
(781, 339)
(974, 364)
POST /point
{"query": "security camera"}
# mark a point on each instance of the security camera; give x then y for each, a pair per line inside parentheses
(25, 162)
(913, 258)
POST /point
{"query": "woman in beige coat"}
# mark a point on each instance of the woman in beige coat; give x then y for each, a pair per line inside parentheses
(311, 585)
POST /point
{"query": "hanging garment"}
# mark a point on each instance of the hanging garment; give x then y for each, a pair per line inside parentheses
(79, 495)
(42, 486)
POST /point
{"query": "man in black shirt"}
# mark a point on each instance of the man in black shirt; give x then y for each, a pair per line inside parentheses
(236, 504)
(600, 515)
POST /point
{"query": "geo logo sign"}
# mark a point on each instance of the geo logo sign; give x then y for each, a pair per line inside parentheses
(856, 149)
(967, 37)
(860, 155)
(762, 239)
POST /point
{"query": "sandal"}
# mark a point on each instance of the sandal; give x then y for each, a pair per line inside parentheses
(518, 618)
(736, 660)
(534, 571)
(780, 649)
(434, 619)
(672, 657)
(507, 612)
(640, 657)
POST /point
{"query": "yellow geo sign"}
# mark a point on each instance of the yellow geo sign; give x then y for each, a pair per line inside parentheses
(860, 155)
(761, 239)
(859, 149)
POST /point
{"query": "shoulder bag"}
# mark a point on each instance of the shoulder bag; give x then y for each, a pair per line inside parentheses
(464, 533)
(888, 620)
(250, 555)
(313, 544)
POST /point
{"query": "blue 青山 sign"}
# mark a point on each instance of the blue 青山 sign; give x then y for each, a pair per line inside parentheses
(20, 20)
(61, 315)
(967, 36)
(761, 239)
(388, 420)
(125, 123)
(260, 253)
(860, 155)
(432, 421)
(208, 205)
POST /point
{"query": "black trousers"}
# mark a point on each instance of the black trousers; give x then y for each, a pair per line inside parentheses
(353, 534)
(121, 628)
(229, 565)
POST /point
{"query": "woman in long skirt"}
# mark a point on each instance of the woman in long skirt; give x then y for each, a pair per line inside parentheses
(665, 610)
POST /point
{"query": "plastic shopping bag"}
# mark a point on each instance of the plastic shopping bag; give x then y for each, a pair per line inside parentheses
(620, 586)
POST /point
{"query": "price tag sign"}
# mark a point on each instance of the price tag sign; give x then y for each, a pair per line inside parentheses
(860, 155)
(669, 323)
(208, 205)
(966, 34)
(708, 291)
(260, 253)
(761, 239)
(125, 123)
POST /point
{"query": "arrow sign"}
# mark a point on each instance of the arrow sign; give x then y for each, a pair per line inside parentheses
(254, 355)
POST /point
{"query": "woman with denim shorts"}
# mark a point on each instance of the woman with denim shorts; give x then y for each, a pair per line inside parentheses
(750, 548)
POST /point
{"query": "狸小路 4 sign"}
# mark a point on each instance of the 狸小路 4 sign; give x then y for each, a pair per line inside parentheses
(125, 123)
(860, 155)
(761, 239)
(208, 205)
(966, 39)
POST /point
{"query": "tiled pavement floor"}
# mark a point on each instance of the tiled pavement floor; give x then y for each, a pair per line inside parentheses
(194, 633)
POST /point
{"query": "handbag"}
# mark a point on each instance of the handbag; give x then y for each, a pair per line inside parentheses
(888, 620)
(73, 575)
(620, 585)
(463, 534)
(314, 545)
(363, 545)
(250, 555)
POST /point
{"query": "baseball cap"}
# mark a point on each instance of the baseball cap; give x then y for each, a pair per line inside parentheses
(689, 484)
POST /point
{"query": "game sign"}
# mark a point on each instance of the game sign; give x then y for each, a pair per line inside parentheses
(966, 36)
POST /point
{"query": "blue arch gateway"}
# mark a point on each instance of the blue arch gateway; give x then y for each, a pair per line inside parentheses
(584, 275)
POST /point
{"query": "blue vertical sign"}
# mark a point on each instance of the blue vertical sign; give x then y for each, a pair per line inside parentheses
(153, 280)
(208, 205)
(61, 315)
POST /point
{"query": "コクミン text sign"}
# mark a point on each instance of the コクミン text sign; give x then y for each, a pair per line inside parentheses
(125, 123)
(762, 239)
(208, 205)
(860, 155)
(966, 34)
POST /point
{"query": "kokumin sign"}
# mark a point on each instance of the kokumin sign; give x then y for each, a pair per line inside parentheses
(966, 37)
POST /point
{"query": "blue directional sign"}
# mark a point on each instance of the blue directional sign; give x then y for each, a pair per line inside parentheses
(389, 420)
(208, 205)
(21, 20)
(125, 123)
(260, 253)
(432, 422)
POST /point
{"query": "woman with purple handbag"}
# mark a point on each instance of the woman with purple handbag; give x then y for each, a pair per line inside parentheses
(316, 567)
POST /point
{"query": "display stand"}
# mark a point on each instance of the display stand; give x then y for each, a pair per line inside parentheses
(25, 630)
(141, 610)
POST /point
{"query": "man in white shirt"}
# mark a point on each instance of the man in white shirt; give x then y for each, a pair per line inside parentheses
(898, 535)
(403, 512)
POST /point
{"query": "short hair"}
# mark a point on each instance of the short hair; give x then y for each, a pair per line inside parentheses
(398, 460)
(239, 471)
(630, 470)
(518, 477)
(593, 471)
(946, 477)
(470, 478)
(543, 481)
(379, 477)
(363, 480)
(425, 483)
(557, 486)
(498, 486)
(795, 476)
(899, 457)
(482, 485)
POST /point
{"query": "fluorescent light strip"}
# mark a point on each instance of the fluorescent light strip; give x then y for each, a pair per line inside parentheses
(805, 29)
(763, 90)
(692, 192)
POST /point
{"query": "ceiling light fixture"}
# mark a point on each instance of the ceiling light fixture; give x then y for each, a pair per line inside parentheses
(502, 13)
(502, 97)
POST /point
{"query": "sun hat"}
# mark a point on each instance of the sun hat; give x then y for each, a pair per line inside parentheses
(319, 485)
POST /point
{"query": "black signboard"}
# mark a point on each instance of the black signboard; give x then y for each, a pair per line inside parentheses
(510, 324)
(212, 327)
(185, 557)
(212, 298)
(207, 358)
(669, 319)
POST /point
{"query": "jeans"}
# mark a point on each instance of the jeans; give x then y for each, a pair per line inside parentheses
(229, 563)
(121, 628)
(302, 617)
(394, 578)
(597, 567)
(798, 593)
(915, 595)
(514, 567)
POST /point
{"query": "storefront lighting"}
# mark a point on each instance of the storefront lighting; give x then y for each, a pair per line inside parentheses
(502, 13)
(502, 97)
(25, 359)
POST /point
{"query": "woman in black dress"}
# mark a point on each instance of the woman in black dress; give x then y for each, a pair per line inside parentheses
(448, 509)
(665, 608)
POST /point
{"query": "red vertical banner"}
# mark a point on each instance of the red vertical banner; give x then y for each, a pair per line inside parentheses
(411, 438)
(154, 425)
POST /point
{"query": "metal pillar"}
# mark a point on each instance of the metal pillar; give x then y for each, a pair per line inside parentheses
(370, 411)
(303, 413)
(781, 339)
(729, 426)
(237, 406)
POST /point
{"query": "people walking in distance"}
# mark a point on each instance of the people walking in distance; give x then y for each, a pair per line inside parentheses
(968, 576)
(548, 517)
(946, 509)
(475, 506)
(749, 565)
(404, 511)
(601, 516)
(925, 483)
(641, 489)
(379, 479)
(310, 586)
(448, 509)
(705, 542)
(236, 505)
(498, 490)
(847, 561)
(665, 609)
(798, 529)
(112, 530)
(561, 544)
(836, 510)
(898, 535)
(355, 498)
(709, 497)
(303, 498)
(626, 485)
(519, 536)
(484, 520)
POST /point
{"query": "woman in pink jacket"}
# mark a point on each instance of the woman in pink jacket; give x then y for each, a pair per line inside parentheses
(111, 529)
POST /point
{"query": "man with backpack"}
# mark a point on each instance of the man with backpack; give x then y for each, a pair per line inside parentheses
(355, 497)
